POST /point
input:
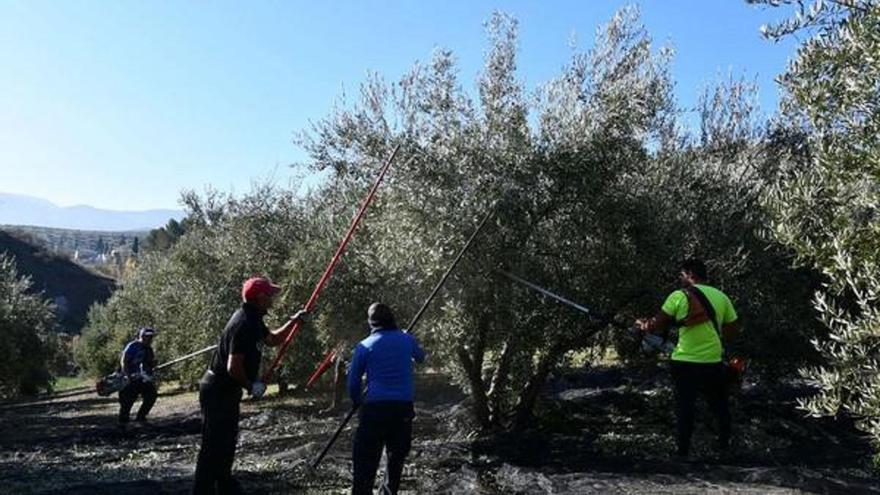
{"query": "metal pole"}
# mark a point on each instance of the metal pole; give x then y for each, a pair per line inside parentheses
(183, 358)
(607, 318)
(333, 262)
(409, 329)
(547, 293)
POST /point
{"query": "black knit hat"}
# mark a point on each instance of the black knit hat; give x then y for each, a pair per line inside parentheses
(380, 316)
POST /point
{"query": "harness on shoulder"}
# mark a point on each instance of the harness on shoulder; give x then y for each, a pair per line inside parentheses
(734, 367)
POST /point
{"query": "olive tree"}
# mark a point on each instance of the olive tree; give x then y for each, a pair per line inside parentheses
(26, 320)
(596, 192)
(825, 207)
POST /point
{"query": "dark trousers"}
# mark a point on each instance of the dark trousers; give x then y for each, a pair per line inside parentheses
(220, 413)
(388, 425)
(692, 380)
(128, 396)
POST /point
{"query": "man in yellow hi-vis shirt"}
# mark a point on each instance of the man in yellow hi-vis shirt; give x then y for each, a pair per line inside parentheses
(705, 315)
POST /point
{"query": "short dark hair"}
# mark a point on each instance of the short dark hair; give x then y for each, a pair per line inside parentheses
(380, 316)
(696, 267)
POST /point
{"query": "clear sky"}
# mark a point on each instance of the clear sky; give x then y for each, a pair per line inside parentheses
(121, 104)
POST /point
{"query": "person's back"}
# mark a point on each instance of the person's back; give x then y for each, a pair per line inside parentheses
(698, 339)
(387, 358)
(696, 363)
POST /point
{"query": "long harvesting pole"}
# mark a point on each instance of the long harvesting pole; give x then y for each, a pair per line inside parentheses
(409, 329)
(547, 293)
(329, 270)
(183, 358)
(607, 318)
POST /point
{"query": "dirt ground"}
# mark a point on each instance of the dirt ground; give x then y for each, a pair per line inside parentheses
(600, 431)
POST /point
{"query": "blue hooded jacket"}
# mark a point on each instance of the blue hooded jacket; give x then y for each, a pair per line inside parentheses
(386, 356)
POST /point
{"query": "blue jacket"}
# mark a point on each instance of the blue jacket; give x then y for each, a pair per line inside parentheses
(136, 357)
(386, 356)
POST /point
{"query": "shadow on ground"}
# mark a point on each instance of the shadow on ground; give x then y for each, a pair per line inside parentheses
(599, 431)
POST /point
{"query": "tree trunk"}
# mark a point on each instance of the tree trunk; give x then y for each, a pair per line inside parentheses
(473, 367)
(499, 384)
(529, 396)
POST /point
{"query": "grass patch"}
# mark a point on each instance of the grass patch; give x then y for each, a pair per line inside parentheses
(63, 383)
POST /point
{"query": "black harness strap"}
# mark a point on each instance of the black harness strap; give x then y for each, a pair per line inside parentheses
(707, 306)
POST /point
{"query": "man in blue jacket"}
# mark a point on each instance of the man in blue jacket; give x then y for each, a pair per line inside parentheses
(137, 362)
(386, 356)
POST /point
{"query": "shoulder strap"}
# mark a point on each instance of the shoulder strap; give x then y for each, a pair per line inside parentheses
(707, 306)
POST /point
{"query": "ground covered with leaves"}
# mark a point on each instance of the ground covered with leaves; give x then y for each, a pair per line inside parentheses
(600, 431)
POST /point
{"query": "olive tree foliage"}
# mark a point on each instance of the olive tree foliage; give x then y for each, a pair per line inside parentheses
(596, 193)
(26, 322)
(190, 292)
(825, 208)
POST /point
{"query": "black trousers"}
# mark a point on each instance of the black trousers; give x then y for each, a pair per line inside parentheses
(692, 380)
(383, 425)
(220, 413)
(128, 396)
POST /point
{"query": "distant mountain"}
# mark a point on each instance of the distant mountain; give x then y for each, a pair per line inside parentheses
(17, 209)
(70, 286)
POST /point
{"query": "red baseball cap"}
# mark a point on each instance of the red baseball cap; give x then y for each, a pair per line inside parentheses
(254, 286)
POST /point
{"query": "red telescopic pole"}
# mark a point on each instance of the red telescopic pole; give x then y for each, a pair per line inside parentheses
(329, 270)
(325, 363)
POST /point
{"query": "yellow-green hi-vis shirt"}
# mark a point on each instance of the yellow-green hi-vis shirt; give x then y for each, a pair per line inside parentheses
(699, 343)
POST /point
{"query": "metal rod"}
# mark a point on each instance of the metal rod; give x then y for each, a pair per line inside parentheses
(547, 293)
(183, 358)
(607, 318)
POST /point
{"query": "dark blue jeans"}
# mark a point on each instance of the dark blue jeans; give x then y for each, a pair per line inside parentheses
(383, 425)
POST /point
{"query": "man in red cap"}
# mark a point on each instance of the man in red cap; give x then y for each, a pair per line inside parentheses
(234, 368)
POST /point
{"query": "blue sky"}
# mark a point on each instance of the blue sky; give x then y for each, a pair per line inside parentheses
(121, 104)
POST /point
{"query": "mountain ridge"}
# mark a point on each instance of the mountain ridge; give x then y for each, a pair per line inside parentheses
(22, 209)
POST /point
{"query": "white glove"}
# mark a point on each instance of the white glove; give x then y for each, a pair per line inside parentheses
(258, 388)
(301, 315)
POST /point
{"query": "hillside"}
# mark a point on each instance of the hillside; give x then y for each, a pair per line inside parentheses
(85, 245)
(70, 286)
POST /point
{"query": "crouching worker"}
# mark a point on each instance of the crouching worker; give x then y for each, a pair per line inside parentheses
(705, 315)
(137, 363)
(234, 368)
(386, 413)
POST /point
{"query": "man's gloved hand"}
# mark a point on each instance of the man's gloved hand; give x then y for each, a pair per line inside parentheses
(301, 315)
(258, 388)
(146, 377)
